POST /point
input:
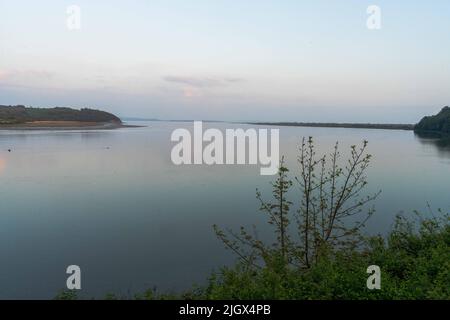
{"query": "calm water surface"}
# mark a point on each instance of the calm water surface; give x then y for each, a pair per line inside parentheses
(114, 204)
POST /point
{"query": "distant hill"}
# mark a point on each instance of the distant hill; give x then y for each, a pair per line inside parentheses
(12, 115)
(439, 123)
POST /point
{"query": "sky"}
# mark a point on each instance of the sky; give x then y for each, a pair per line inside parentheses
(278, 60)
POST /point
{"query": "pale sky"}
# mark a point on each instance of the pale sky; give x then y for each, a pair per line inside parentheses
(279, 60)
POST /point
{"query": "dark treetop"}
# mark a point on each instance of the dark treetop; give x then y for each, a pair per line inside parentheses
(439, 123)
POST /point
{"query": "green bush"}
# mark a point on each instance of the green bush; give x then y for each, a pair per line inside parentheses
(415, 264)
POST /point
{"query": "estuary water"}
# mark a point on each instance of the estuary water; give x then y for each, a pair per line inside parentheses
(112, 202)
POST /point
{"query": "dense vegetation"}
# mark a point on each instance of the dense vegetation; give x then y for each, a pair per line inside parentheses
(414, 265)
(10, 115)
(439, 123)
(319, 251)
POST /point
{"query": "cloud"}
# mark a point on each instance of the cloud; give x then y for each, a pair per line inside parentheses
(206, 82)
(190, 92)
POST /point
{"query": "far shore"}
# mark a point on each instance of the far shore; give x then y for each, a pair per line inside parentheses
(66, 125)
(86, 125)
(386, 126)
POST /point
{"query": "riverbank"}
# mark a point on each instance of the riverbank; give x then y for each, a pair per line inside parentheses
(66, 125)
(386, 126)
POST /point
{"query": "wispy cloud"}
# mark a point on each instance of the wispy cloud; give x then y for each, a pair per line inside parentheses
(190, 92)
(202, 82)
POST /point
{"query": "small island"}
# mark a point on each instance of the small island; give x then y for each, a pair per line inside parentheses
(27, 118)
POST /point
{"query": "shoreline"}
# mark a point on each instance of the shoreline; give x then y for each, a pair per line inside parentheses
(65, 126)
(385, 126)
(78, 125)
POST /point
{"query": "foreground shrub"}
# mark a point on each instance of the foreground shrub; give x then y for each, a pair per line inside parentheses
(414, 262)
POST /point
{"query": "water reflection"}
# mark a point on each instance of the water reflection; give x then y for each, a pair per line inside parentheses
(2, 164)
(439, 141)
